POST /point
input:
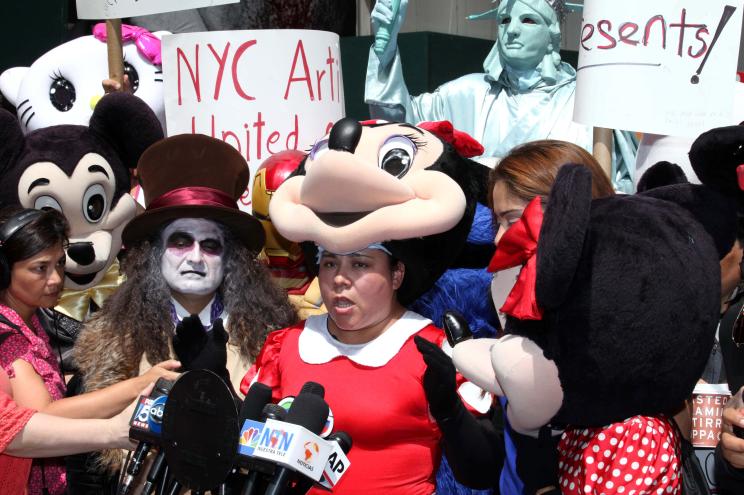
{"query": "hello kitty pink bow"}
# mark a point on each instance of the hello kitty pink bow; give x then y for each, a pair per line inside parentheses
(147, 43)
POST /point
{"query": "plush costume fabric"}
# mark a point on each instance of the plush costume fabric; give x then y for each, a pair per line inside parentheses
(608, 310)
(661, 174)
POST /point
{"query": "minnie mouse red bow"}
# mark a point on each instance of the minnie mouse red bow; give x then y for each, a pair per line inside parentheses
(518, 246)
(463, 142)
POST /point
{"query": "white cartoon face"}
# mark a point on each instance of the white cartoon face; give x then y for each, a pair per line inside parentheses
(85, 198)
(64, 85)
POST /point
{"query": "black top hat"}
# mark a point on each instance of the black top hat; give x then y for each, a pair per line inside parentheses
(194, 176)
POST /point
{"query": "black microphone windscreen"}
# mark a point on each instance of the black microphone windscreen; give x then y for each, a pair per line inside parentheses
(162, 386)
(342, 438)
(313, 388)
(274, 411)
(309, 411)
(255, 400)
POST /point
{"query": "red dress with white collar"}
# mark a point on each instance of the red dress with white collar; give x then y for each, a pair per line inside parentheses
(375, 393)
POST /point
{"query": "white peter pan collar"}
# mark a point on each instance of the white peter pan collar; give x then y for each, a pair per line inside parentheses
(318, 346)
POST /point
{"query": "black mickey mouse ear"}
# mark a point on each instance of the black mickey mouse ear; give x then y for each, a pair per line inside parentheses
(562, 234)
(661, 174)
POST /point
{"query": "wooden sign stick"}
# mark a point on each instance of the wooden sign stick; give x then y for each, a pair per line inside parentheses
(602, 149)
(115, 51)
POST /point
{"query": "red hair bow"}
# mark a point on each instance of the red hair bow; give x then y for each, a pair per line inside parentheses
(463, 142)
(518, 246)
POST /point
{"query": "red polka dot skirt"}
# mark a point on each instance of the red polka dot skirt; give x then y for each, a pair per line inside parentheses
(638, 456)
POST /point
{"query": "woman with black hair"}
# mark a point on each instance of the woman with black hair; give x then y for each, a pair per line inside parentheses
(32, 261)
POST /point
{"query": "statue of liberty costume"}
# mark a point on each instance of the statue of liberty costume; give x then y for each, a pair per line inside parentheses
(504, 106)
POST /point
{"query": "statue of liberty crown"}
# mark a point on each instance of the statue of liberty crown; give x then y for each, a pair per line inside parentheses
(559, 6)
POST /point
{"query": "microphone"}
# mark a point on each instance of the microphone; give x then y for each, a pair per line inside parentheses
(337, 463)
(335, 467)
(294, 445)
(145, 426)
(258, 396)
(248, 441)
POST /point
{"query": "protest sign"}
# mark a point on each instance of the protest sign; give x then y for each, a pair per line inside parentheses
(708, 401)
(260, 91)
(118, 9)
(664, 67)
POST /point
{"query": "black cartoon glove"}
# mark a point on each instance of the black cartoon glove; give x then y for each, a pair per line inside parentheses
(198, 349)
(440, 384)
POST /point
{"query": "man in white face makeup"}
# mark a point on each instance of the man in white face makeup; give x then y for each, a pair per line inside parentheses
(192, 263)
(194, 288)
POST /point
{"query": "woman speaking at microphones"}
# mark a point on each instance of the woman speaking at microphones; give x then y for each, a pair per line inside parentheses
(388, 382)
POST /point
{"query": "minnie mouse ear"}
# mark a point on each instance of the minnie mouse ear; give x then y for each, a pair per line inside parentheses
(562, 234)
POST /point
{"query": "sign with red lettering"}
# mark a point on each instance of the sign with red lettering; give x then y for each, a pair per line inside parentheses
(118, 9)
(663, 67)
(260, 91)
(707, 410)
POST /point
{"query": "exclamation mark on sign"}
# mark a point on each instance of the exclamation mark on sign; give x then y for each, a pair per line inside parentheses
(728, 11)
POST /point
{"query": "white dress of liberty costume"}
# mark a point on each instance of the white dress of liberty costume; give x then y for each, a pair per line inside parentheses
(502, 107)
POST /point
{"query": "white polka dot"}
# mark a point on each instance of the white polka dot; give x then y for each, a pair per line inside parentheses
(659, 491)
(619, 429)
(629, 449)
(639, 481)
(601, 436)
(648, 481)
(615, 472)
(665, 457)
(613, 441)
(609, 485)
(664, 480)
(634, 465)
(620, 445)
(600, 480)
(635, 436)
(669, 489)
(644, 441)
(641, 453)
(560, 464)
(590, 460)
(644, 469)
(620, 489)
(665, 445)
(565, 482)
(572, 485)
(587, 488)
(628, 477)
(600, 465)
(607, 453)
(595, 448)
(593, 477)
(623, 461)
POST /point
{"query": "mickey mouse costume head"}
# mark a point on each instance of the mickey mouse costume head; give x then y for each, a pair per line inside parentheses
(84, 172)
(410, 186)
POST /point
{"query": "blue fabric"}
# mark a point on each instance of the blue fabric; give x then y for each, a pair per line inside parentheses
(510, 484)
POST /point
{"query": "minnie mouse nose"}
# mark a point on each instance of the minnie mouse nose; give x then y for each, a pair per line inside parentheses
(345, 135)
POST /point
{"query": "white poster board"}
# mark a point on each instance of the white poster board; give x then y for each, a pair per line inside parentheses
(118, 9)
(261, 91)
(661, 66)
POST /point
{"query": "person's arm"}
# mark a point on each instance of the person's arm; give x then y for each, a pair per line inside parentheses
(29, 391)
(51, 436)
